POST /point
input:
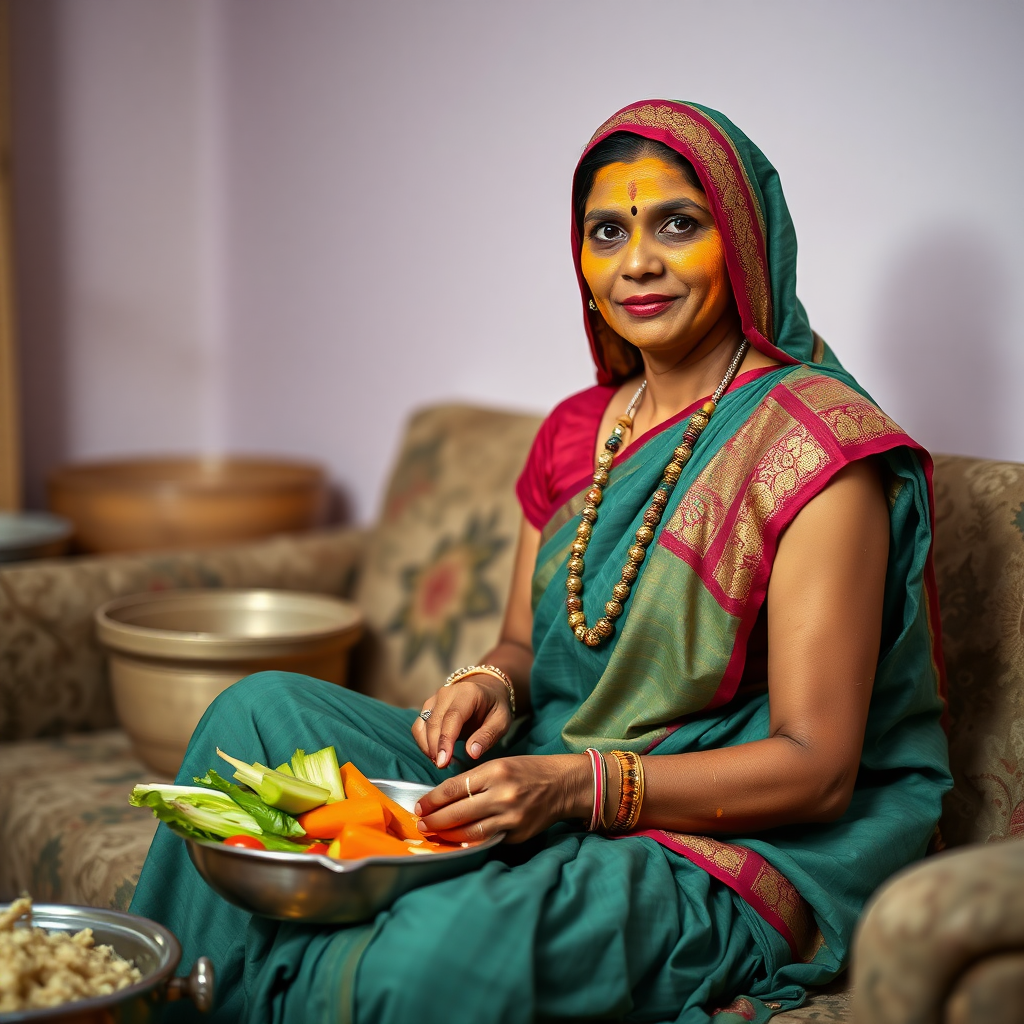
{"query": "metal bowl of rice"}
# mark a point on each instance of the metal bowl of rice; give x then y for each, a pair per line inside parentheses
(146, 944)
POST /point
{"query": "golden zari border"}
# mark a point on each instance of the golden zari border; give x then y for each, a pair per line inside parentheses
(759, 883)
(799, 432)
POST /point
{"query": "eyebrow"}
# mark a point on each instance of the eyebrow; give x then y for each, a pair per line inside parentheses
(661, 210)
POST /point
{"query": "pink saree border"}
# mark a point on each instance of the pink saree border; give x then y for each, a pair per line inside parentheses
(584, 483)
(744, 871)
(931, 585)
(747, 610)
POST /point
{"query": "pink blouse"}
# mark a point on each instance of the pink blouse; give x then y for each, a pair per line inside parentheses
(561, 460)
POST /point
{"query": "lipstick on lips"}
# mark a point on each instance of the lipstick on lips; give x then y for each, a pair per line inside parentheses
(647, 305)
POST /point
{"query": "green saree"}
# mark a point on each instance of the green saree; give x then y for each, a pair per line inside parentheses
(654, 926)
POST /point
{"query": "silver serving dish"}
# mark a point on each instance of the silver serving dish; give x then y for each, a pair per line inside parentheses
(150, 946)
(316, 889)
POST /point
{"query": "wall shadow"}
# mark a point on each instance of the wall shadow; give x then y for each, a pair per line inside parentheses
(39, 240)
(940, 341)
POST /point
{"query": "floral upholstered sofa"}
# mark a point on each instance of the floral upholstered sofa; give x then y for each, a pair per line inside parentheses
(430, 577)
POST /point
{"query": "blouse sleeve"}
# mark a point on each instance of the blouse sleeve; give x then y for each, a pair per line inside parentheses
(533, 488)
(562, 455)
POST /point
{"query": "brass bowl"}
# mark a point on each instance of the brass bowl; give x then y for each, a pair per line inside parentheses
(172, 652)
(146, 504)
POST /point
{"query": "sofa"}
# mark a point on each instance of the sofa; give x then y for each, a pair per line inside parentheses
(430, 578)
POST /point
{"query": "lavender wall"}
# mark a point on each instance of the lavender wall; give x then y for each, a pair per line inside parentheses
(280, 227)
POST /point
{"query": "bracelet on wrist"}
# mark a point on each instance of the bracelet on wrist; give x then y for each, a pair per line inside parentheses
(631, 791)
(490, 670)
(600, 773)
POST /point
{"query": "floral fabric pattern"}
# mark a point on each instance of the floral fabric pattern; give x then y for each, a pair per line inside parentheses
(979, 562)
(53, 677)
(68, 833)
(439, 562)
(449, 588)
(431, 579)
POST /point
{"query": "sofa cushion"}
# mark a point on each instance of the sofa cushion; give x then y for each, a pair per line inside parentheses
(69, 835)
(979, 560)
(52, 674)
(438, 565)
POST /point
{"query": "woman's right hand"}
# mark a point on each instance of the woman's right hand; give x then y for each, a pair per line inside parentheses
(475, 708)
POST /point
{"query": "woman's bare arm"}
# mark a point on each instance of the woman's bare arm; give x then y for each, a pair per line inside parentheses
(479, 703)
(514, 650)
(824, 628)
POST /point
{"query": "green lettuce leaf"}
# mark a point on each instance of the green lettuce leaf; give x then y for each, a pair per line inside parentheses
(269, 819)
(205, 814)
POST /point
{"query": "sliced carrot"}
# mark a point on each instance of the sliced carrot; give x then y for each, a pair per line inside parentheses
(358, 841)
(356, 783)
(400, 822)
(327, 821)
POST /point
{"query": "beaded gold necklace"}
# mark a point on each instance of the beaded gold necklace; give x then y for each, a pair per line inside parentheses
(605, 626)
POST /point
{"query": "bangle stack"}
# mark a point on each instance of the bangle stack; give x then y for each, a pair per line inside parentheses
(631, 792)
(600, 770)
(490, 670)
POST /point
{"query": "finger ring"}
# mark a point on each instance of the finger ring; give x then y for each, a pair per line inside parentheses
(425, 714)
(469, 792)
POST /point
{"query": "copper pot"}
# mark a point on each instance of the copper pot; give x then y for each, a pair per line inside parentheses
(146, 504)
(172, 652)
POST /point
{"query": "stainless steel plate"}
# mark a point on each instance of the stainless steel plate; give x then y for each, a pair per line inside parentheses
(318, 890)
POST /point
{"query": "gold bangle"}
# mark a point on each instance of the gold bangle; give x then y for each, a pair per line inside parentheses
(638, 802)
(631, 791)
(491, 670)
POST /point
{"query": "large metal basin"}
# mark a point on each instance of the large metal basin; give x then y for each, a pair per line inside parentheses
(154, 950)
(172, 652)
(318, 890)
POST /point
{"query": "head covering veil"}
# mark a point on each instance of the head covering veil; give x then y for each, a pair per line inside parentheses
(746, 199)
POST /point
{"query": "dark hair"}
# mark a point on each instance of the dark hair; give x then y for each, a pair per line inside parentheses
(622, 147)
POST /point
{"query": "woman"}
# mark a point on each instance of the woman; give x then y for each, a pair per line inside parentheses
(722, 622)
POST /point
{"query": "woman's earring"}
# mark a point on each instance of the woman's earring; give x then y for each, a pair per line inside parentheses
(593, 305)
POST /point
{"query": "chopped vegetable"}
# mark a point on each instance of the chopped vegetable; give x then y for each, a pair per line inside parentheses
(270, 819)
(246, 842)
(277, 789)
(321, 769)
(205, 814)
(358, 841)
(307, 796)
(400, 822)
(207, 810)
(327, 822)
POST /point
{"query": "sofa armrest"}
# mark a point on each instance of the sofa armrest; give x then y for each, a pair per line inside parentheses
(929, 929)
(989, 992)
(53, 677)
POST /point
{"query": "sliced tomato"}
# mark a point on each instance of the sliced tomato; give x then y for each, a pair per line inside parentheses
(317, 848)
(246, 842)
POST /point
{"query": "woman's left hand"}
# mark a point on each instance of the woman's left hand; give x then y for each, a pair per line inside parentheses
(518, 795)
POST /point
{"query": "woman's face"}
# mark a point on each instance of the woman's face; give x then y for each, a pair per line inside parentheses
(653, 258)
